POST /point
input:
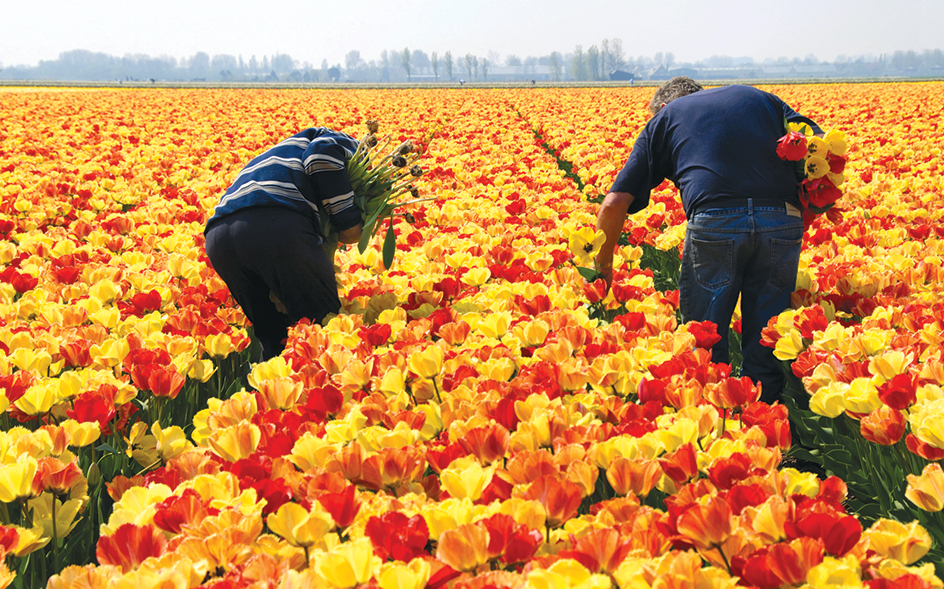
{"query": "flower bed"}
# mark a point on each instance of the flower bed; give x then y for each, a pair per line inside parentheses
(467, 420)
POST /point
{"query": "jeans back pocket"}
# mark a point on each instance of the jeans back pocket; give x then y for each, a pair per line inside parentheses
(713, 262)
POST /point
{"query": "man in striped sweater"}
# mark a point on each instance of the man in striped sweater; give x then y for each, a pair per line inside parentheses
(265, 234)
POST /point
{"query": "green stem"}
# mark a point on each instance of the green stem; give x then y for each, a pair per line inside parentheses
(55, 537)
(436, 388)
(724, 558)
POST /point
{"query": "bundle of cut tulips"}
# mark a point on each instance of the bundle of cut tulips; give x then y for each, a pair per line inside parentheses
(379, 182)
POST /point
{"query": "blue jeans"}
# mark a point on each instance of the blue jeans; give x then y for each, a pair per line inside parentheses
(747, 251)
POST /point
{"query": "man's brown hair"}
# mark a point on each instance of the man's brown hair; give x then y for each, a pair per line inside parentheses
(675, 88)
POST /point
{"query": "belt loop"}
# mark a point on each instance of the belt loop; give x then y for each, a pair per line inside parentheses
(750, 207)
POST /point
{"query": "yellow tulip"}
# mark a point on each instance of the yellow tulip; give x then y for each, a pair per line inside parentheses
(830, 401)
(201, 370)
(170, 443)
(346, 565)
(219, 345)
(476, 276)
(426, 363)
(495, 325)
(235, 442)
(81, 434)
(397, 575)
(927, 490)
(862, 396)
(906, 543)
(310, 451)
(65, 515)
(836, 142)
(39, 398)
(16, 480)
(585, 243)
(835, 572)
(298, 526)
(789, 346)
(466, 478)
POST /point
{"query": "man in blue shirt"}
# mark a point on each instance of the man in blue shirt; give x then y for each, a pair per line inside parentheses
(264, 238)
(744, 227)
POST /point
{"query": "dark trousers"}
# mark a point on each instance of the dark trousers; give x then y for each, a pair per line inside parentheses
(261, 250)
(749, 252)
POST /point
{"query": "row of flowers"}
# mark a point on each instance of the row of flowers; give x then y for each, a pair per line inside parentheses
(463, 422)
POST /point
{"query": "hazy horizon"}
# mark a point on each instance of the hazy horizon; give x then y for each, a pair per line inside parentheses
(691, 30)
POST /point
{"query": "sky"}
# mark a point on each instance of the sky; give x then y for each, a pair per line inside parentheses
(313, 30)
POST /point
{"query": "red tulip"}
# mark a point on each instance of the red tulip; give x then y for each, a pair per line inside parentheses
(343, 506)
(792, 146)
(129, 546)
(396, 536)
(509, 541)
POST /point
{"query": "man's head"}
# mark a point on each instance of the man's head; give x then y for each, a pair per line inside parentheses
(675, 88)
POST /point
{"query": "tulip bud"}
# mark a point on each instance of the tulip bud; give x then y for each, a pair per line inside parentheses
(372, 126)
(94, 475)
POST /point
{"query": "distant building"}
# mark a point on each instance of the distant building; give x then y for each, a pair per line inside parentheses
(622, 76)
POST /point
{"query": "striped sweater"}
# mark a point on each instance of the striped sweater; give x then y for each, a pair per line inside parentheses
(298, 173)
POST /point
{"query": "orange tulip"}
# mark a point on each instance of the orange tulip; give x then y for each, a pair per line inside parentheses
(637, 476)
(707, 526)
(465, 548)
(560, 498)
(488, 443)
(883, 426)
(129, 546)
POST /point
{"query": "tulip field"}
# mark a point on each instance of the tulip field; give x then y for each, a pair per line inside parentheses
(478, 415)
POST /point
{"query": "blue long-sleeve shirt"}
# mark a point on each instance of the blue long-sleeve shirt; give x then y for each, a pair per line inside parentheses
(298, 173)
(717, 144)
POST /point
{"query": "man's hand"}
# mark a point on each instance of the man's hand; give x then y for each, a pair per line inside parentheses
(610, 220)
(351, 235)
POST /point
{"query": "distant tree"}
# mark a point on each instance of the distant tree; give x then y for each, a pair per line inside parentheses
(617, 56)
(282, 62)
(405, 61)
(447, 63)
(253, 64)
(811, 59)
(420, 60)
(512, 61)
(469, 68)
(494, 57)
(605, 57)
(324, 70)
(933, 58)
(668, 59)
(351, 60)
(384, 66)
(593, 63)
(904, 60)
(220, 63)
(485, 63)
(434, 62)
(199, 65)
(556, 61)
(334, 73)
(578, 63)
(529, 64)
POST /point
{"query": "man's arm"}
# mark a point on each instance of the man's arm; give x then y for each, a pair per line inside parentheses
(610, 220)
(352, 235)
